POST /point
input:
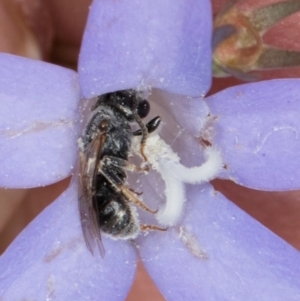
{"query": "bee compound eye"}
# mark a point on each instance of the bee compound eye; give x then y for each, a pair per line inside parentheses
(143, 108)
(103, 125)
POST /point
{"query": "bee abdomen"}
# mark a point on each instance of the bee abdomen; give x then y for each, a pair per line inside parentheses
(118, 220)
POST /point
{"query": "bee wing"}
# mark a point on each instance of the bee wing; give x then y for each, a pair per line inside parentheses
(88, 164)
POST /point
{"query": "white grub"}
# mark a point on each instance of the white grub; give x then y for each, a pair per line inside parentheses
(166, 162)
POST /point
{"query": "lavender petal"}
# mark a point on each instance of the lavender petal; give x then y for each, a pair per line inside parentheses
(137, 44)
(49, 260)
(257, 129)
(38, 133)
(224, 254)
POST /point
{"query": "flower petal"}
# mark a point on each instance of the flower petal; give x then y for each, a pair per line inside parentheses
(137, 44)
(179, 113)
(38, 108)
(223, 254)
(258, 130)
(49, 260)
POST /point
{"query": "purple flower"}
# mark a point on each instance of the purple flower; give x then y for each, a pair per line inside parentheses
(217, 251)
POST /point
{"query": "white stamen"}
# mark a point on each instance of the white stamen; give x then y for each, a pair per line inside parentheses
(165, 161)
(198, 174)
(175, 198)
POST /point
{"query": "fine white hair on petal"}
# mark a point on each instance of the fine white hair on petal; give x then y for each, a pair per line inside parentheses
(175, 198)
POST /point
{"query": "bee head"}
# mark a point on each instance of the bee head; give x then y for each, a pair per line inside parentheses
(127, 102)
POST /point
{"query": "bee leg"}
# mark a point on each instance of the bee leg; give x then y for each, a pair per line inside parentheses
(152, 125)
(152, 227)
(135, 192)
(119, 162)
(133, 167)
(132, 198)
(106, 168)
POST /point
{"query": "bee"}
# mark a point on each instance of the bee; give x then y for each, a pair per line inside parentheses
(106, 203)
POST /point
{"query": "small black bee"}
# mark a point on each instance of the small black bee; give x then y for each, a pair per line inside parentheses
(105, 202)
